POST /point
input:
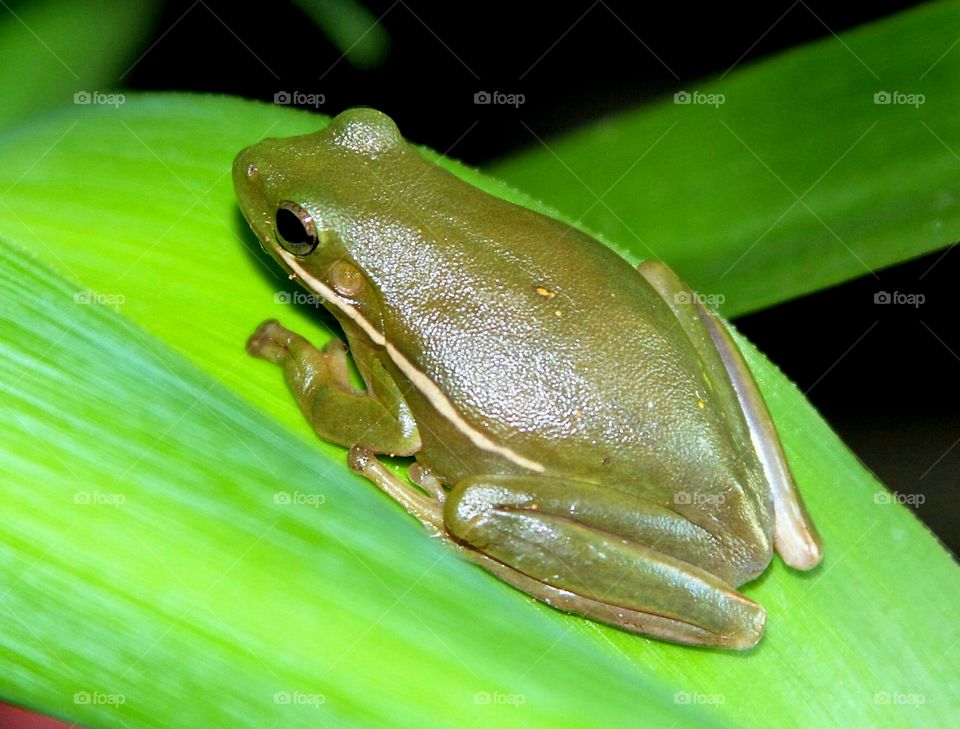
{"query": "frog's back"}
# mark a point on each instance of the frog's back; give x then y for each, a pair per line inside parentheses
(544, 338)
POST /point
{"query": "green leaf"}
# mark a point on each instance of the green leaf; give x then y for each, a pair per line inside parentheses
(783, 177)
(352, 28)
(145, 557)
(55, 51)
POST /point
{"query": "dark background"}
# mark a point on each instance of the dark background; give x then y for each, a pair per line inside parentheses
(884, 380)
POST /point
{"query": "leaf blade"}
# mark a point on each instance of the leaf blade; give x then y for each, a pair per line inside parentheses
(794, 182)
(54, 49)
(129, 223)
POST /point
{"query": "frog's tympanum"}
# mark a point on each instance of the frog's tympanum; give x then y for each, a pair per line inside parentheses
(585, 430)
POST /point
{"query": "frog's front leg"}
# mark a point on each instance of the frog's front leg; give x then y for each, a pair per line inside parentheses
(539, 534)
(378, 419)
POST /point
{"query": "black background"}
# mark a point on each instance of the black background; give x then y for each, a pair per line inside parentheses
(884, 377)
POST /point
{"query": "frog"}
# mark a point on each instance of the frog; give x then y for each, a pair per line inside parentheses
(586, 430)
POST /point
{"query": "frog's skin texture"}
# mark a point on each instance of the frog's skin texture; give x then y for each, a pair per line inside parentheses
(583, 429)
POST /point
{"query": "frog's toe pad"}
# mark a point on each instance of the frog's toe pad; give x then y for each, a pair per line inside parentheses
(269, 341)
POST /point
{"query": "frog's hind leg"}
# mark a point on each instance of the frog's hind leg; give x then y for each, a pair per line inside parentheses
(557, 541)
(494, 522)
(795, 537)
(645, 622)
(428, 510)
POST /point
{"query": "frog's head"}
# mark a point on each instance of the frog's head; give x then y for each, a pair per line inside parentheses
(302, 194)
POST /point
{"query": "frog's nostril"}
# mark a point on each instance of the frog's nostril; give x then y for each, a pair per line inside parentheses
(252, 171)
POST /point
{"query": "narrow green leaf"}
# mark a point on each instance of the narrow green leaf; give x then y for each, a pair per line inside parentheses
(352, 28)
(201, 601)
(785, 176)
(53, 52)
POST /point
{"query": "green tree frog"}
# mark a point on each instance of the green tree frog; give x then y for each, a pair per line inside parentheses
(585, 430)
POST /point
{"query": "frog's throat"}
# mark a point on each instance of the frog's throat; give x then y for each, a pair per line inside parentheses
(422, 382)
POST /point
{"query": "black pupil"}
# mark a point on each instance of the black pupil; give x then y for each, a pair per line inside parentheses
(290, 228)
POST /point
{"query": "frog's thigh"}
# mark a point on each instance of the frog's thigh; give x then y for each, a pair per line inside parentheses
(795, 537)
(581, 568)
(377, 419)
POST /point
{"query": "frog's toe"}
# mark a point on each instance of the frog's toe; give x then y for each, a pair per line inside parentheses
(748, 633)
(269, 341)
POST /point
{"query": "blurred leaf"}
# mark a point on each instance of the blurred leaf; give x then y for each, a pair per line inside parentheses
(52, 50)
(152, 579)
(783, 177)
(144, 554)
(354, 30)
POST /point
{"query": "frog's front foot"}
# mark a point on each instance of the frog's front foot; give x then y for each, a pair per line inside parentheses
(270, 341)
(377, 419)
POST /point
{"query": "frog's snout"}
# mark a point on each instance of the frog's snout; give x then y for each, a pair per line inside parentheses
(245, 171)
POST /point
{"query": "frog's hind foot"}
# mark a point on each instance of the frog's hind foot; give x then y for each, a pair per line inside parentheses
(429, 511)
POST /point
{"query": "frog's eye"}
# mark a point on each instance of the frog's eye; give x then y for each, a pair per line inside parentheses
(296, 230)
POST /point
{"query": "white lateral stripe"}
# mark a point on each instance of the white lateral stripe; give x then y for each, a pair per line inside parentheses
(423, 383)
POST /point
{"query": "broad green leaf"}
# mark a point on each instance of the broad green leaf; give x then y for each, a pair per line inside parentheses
(202, 601)
(783, 177)
(173, 557)
(53, 52)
